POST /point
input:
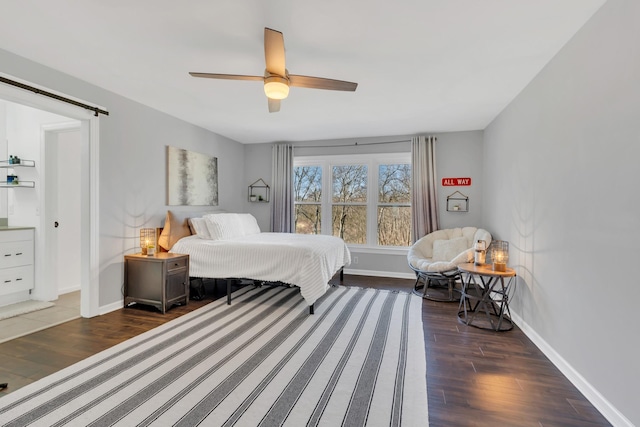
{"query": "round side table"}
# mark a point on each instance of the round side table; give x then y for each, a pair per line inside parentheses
(484, 301)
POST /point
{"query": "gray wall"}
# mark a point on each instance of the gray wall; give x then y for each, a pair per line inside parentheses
(458, 154)
(561, 186)
(132, 165)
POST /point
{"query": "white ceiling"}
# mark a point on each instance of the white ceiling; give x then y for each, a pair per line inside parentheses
(420, 65)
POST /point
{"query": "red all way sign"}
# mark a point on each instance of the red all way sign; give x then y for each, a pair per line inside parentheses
(449, 182)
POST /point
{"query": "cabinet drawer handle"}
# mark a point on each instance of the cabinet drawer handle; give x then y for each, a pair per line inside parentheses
(19, 253)
(18, 279)
(7, 254)
(7, 281)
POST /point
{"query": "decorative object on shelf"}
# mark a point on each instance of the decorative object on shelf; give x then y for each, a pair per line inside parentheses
(147, 241)
(499, 254)
(192, 178)
(480, 254)
(259, 191)
(14, 160)
(457, 202)
(11, 179)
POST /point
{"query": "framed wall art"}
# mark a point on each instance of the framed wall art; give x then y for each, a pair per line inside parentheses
(192, 178)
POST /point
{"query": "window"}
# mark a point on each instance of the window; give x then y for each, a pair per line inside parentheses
(394, 204)
(307, 185)
(368, 198)
(349, 203)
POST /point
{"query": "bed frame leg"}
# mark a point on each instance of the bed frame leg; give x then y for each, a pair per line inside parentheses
(341, 275)
(311, 309)
(229, 291)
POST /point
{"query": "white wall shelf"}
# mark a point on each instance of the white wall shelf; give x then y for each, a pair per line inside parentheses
(20, 184)
(23, 164)
(5, 164)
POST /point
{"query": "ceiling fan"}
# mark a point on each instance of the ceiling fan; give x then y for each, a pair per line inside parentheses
(276, 76)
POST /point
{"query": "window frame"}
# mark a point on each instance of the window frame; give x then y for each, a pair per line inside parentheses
(373, 162)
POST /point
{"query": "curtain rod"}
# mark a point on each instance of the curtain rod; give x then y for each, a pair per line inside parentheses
(96, 110)
(356, 144)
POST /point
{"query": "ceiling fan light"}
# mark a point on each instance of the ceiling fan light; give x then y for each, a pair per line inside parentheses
(276, 87)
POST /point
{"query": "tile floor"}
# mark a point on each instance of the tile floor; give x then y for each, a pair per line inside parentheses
(67, 307)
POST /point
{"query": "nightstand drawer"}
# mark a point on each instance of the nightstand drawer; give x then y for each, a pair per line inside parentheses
(175, 264)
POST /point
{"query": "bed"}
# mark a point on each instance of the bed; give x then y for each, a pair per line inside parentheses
(231, 246)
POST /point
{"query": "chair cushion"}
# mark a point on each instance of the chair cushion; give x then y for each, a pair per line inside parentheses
(423, 255)
(447, 250)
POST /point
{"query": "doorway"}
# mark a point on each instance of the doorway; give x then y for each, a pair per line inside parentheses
(89, 184)
(60, 148)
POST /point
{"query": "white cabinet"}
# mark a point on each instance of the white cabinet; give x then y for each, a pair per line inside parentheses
(16, 260)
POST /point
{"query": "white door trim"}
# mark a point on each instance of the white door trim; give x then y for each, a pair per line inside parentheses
(90, 286)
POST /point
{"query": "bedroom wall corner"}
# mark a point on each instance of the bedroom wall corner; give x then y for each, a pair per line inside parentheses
(257, 164)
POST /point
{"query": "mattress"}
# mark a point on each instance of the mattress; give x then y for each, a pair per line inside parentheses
(306, 261)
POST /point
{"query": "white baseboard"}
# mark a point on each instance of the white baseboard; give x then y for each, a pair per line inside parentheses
(392, 274)
(68, 289)
(605, 407)
(111, 307)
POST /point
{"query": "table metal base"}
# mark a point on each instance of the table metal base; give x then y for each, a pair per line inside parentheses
(485, 304)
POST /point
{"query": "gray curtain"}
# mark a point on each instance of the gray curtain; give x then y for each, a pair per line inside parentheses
(424, 190)
(282, 190)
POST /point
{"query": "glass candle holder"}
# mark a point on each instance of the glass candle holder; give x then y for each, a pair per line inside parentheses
(499, 255)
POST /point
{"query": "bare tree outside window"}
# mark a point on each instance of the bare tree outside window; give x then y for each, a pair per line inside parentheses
(307, 185)
(394, 205)
(349, 203)
(366, 199)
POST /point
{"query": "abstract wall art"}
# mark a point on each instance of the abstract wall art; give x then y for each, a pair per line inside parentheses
(192, 178)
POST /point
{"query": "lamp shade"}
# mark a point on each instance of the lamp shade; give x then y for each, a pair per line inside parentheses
(147, 239)
(276, 87)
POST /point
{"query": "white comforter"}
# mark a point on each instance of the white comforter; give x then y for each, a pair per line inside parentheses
(307, 261)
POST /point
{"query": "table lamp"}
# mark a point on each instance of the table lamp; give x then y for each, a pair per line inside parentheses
(147, 241)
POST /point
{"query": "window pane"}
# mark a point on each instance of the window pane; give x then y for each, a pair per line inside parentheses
(394, 183)
(350, 223)
(394, 225)
(349, 184)
(307, 183)
(308, 219)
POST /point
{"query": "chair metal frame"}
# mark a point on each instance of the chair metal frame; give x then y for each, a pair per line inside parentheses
(427, 278)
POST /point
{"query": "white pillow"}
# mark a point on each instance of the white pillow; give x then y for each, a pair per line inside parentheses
(199, 227)
(225, 226)
(447, 250)
(249, 224)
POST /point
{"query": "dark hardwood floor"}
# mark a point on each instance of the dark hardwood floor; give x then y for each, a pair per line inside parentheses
(475, 377)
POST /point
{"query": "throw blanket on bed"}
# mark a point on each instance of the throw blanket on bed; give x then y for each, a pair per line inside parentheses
(307, 261)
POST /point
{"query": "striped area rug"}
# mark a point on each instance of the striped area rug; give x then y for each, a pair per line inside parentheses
(263, 361)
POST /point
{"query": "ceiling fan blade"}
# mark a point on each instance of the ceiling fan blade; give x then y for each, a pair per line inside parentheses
(227, 76)
(321, 83)
(274, 52)
(274, 105)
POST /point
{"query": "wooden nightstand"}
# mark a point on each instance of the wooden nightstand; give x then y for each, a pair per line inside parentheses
(161, 280)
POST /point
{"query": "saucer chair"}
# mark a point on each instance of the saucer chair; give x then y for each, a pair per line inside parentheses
(435, 259)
